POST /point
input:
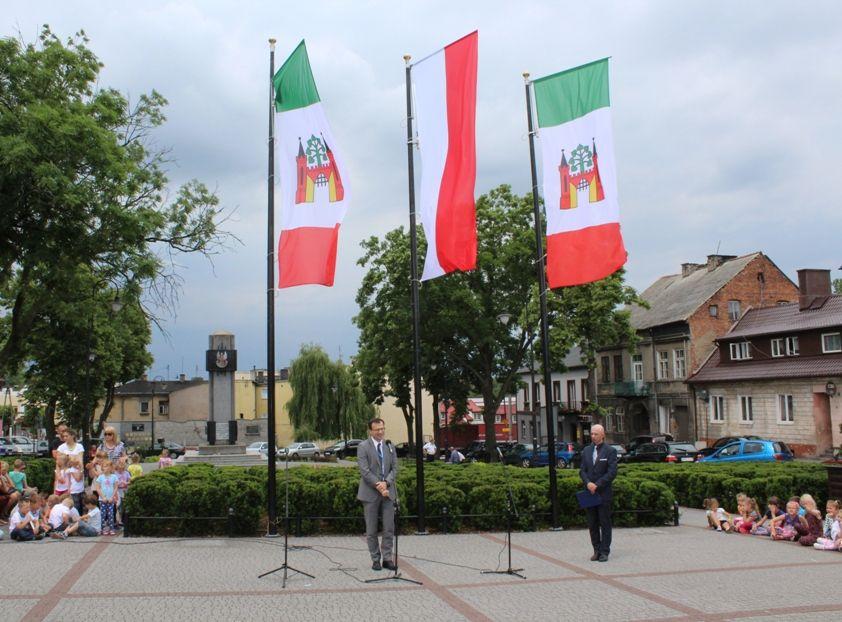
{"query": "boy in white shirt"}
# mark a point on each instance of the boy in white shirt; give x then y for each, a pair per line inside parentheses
(22, 524)
(90, 523)
(61, 517)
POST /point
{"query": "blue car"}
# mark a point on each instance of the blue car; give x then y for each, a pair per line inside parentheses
(565, 454)
(746, 450)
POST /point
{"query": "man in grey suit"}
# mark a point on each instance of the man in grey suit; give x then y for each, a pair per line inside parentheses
(378, 468)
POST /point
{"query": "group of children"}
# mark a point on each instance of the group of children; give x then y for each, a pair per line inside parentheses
(800, 521)
(72, 509)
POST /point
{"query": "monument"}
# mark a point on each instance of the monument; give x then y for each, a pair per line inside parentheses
(221, 364)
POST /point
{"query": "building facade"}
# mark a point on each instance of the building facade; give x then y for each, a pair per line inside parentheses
(777, 373)
(644, 391)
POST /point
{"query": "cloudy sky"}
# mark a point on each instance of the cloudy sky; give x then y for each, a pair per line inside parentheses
(726, 115)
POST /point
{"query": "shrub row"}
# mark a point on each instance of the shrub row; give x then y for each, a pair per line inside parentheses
(693, 483)
(473, 497)
(39, 471)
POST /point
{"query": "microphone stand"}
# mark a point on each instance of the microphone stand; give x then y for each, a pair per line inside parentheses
(285, 567)
(396, 576)
(511, 510)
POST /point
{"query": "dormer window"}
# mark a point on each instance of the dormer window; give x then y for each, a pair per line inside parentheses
(740, 351)
(831, 342)
(785, 346)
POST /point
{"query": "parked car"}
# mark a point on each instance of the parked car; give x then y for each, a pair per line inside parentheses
(42, 448)
(664, 452)
(726, 440)
(175, 449)
(519, 455)
(621, 451)
(750, 450)
(5, 447)
(565, 454)
(20, 445)
(648, 438)
(343, 449)
(258, 448)
(300, 450)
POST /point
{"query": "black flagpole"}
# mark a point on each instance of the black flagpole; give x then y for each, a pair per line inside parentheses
(416, 309)
(545, 325)
(270, 305)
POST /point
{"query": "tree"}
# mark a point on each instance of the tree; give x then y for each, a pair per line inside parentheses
(327, 399)
(837, 286)
(87, 214)
(460, 313)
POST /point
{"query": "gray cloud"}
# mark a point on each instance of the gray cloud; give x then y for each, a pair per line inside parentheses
(725, 115)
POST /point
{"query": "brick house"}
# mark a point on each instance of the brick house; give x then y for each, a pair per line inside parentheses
(777, 372)
(645, 390)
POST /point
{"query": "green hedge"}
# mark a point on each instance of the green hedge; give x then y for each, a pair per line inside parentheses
(692, 483)
(39, 471)
(318, 492)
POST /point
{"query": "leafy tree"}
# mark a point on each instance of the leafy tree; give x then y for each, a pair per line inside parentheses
(87, 213)
(461, 329)
(837, 286)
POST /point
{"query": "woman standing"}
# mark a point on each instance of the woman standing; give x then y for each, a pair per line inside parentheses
(113, 446)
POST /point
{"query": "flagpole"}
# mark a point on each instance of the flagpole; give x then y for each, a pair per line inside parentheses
(270, 307)
(416, 309)
(545, 325)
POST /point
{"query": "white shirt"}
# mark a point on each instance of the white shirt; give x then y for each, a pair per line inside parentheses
(95, 519)
(16, 518)
(76, 451)
(430, 448)
(58, 515)
(75, 486)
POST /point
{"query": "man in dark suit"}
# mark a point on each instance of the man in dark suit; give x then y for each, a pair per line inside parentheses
(599, 468)
(378, 468)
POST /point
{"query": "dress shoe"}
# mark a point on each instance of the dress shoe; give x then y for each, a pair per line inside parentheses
(603, 557)
(595, 556)
(388, 564)
(375, 565)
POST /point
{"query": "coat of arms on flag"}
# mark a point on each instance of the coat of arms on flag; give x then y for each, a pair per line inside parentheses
(580, 174)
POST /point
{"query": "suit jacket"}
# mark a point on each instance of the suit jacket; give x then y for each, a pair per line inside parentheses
(602, 472)
(369, 464)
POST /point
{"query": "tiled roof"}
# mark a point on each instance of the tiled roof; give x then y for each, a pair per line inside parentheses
(769, 369)
(675, 298)
(788, 319)
(162, 387)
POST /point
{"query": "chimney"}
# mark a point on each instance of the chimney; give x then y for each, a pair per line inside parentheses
(714, 261)
(182, 377)
(144, 377)
(814, 288)
(689, 268)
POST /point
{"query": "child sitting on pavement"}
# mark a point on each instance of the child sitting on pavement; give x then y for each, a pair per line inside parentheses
(18, 477)
(717, 517)
(748, 516)
(786, 526)
(22, 525)
(762, 527)
(89, 524)
(737, 519)
(62, 516)
(813, 518)
(831, 539)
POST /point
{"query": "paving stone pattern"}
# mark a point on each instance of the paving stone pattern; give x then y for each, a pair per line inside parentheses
(670, 573)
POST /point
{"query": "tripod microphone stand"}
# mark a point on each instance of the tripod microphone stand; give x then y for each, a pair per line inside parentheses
(511, 510)
(396, 574)
(285, 567)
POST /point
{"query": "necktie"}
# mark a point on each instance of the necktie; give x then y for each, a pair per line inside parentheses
(380, 455)
(595, 453)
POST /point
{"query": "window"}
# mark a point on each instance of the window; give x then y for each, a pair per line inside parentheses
(753, 448)
(620, 419)
(786, 412)
(163, 408)
(606, 369)
(730, 450)
(740, 351)
(733, 310)
(536, 393)
(609, 422)
(663, 365)
(144, 408)
(556, 390)
(679, 364)
(525, 398)
(831, 342)
(785, 346)
(571, 393)
(746, 409)
(713, 310)
(584, 386)
(637, 367)
(264, 394)
(498, 419)
(717, 408)
(618, 368)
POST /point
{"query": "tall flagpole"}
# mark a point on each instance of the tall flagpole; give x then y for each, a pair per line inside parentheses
(545, 325)
(270, 306)
(416, 308)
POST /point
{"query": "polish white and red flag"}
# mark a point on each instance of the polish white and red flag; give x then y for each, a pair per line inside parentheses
(445, 90)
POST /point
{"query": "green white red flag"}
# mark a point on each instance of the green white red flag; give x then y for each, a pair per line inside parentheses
(584, 242)
(313, 186)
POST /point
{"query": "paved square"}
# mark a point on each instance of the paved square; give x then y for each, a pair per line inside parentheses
(669, 573)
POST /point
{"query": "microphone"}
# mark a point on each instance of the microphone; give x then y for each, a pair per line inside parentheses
(499, 452)
(389, 445)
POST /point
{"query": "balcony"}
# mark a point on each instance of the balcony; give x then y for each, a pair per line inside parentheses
(633, 388)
